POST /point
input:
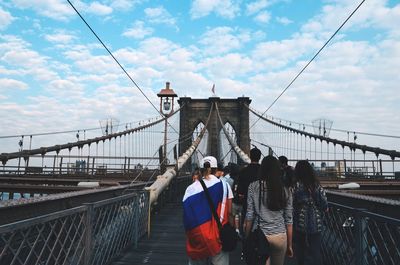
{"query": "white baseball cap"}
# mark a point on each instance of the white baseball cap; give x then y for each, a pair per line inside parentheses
(211, 160)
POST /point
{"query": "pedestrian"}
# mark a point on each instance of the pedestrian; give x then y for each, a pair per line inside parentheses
(273, 209)
(227, 176)
(288, 172)
(309, 204)
(220, 170)
(247, 175)
(203, 245)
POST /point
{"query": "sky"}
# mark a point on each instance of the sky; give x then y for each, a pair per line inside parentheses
(55, 75)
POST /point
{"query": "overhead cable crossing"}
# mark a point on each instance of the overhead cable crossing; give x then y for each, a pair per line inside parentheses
(312, 59)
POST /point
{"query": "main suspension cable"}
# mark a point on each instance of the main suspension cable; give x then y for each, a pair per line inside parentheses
(312, 59)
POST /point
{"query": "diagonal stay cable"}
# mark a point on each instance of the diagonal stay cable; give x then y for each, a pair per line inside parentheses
(115, 59)
(163, 180)
(312, 59)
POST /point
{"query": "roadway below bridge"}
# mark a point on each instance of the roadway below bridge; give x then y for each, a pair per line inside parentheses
(383, 188)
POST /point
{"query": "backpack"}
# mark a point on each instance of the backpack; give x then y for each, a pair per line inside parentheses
(309, 215)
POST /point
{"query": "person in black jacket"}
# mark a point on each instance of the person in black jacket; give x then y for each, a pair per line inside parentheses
(288, 173)
(247, 175)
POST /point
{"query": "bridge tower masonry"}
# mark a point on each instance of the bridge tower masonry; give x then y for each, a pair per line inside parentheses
(196, 111)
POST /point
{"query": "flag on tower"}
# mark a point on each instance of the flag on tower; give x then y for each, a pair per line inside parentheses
(213, 89)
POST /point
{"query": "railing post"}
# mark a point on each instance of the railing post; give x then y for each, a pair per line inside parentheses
(360, 232)
(136, 217)
(61, 162)
(93, 162)
(88, 232)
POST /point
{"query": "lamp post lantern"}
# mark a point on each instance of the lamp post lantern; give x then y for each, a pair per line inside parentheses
(166, 96)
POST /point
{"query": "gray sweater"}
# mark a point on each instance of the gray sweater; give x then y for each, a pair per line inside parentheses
(271, 222)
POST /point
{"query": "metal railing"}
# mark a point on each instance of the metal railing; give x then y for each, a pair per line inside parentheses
(355, 236)
(89, 234)
(92, 234)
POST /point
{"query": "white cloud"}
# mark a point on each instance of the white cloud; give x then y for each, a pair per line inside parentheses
(99, 9)
(159, 15)
(233, 64)
(263, 17)
(59, 37)
(257, 6)
(223, 39)
(65, 89)
(138, 30)
(372, 14)
(224, 8)
(277, 54)
(11, 84)
(284, 20)
(125, 5)
(54, 9)
(5, 19)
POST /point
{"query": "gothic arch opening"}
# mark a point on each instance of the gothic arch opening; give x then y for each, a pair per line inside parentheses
(201, 150)
(226, 152)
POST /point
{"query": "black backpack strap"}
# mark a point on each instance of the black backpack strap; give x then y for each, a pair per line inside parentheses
(210, 203)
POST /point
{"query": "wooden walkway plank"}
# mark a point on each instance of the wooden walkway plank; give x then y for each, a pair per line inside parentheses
(166, 244)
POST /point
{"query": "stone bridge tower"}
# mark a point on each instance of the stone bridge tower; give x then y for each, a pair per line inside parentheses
(196, 111)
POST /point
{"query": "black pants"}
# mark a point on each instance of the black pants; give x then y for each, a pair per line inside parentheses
(307, 248)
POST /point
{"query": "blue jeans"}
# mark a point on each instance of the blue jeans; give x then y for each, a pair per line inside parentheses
(307, 248)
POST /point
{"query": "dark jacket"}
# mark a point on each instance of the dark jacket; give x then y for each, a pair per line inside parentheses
(246, 176)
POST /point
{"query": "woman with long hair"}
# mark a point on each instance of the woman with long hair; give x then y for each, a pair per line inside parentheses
(274, 211)
(309, 203)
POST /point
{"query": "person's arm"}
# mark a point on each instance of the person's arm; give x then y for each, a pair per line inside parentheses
(228, 205)
(288, 218)
(247, 227)
(248, 223)
(289, 233)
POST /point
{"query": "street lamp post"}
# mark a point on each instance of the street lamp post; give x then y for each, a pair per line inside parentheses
(166, 96)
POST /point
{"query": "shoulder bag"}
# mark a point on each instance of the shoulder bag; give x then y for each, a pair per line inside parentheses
(227, 233)
(256, 248)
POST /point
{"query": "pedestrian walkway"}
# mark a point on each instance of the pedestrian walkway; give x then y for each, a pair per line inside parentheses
(166, 244)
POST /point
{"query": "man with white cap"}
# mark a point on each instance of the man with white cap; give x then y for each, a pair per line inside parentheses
(203, 244)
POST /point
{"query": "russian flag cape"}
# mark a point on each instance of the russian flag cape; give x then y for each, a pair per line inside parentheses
(202, 234)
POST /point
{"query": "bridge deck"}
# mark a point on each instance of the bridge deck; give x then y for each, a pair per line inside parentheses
(166, 245)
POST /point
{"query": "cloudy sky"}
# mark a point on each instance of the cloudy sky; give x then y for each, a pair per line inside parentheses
(55, 75)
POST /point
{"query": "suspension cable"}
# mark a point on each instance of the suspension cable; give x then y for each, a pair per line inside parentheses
(235, 147)
(115, 59)
(332, 129)
(392, 153)
(312, 59)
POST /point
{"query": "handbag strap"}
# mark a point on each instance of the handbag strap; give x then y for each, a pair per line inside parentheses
(259, 203)
(210, 203)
